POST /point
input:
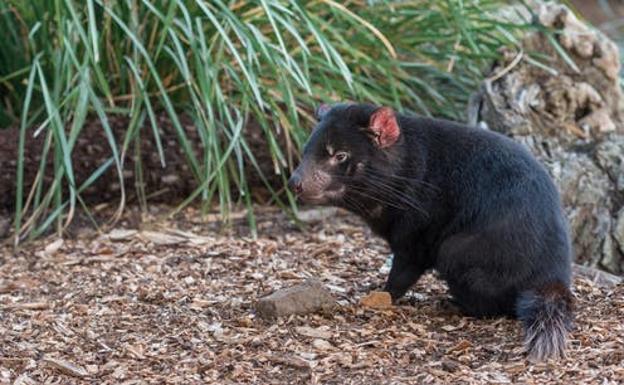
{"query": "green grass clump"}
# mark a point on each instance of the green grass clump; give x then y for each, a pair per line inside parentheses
(223, 63)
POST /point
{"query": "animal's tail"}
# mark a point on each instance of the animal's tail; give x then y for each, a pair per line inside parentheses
(547, 314)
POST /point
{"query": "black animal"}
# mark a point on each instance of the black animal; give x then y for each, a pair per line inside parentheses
(469, 203)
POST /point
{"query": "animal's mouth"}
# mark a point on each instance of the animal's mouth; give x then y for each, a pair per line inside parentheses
(312, 199)
(326, 196)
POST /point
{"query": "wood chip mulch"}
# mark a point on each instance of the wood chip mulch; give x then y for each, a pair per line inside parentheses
(173, 303)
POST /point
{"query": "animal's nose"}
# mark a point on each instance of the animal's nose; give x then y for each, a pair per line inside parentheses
(294, 184)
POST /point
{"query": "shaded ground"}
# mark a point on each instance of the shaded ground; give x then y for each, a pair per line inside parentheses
(170, 183)
(174, 304)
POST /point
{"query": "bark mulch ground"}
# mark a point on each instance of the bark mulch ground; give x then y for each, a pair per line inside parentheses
(173, 302)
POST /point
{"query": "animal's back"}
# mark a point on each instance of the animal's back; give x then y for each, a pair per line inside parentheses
(506, 249)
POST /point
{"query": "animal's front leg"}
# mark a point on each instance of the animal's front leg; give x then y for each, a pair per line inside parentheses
(404, 273)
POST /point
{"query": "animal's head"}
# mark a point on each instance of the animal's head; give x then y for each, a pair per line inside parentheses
(352, 146)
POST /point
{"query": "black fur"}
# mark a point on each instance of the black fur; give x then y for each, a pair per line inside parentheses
(469, 203)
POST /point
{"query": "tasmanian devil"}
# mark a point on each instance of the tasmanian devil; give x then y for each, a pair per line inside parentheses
(469, 203)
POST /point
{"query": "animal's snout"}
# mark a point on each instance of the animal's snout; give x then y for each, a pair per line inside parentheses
(309, 184)
(295, 183)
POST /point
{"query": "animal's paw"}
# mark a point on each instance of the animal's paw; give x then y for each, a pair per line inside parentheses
(449, 306)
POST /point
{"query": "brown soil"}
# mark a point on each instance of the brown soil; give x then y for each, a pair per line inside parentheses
(173, 303)
(169, 184)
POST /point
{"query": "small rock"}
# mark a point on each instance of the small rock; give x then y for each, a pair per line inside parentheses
(321, 332)
(448, 328)
(53, 247)
(316, 215)
(92, 369)
(320, 344)
(309, 356)
(308, 297)
(377, 300)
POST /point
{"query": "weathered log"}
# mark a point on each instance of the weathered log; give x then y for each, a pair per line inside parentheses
(571, 117)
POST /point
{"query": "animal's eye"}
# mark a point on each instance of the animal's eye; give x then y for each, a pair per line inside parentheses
(341, 156)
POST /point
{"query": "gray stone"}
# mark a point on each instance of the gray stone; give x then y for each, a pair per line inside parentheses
(598, 277)
(619, 230)
(308, 297)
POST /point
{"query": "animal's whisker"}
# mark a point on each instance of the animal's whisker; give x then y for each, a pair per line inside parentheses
(388, 197)
(392, 192)
(421, 193)
(386, 192)
(413, 181)
(359, 208)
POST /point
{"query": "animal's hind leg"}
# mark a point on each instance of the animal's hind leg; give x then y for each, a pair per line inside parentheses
(482, 273)
(480, 304)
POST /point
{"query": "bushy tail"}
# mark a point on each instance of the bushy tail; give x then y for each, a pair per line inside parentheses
(547, 314)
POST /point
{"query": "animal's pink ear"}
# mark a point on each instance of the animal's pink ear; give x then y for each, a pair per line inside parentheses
(321, 111)
(384, 127)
